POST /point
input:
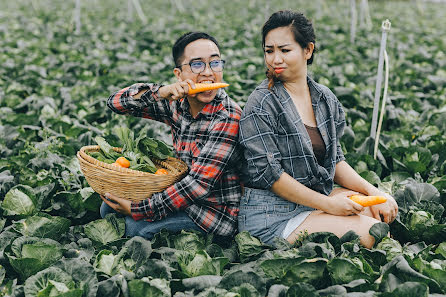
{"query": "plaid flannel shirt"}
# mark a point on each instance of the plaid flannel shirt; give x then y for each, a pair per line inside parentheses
(275, 140)
(211, 191)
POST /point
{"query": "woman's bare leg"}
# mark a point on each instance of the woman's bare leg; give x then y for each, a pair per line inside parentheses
(319, 221)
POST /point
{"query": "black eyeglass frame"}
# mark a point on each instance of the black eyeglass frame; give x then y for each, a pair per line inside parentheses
(205, 63)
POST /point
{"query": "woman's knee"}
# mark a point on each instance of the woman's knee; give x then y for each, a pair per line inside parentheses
(366, 223)
(339, 225)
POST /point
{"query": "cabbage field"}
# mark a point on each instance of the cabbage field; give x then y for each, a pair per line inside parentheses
(58, 67)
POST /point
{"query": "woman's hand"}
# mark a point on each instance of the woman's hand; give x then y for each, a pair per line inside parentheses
(387, 210)
(118, 204)
(339, 204)
(177, 90)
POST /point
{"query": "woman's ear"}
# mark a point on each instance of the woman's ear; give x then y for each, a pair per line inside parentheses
(309, 50)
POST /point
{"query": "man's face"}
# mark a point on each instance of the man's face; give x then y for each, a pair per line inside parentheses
(206, 51)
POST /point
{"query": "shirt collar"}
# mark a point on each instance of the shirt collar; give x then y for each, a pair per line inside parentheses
(209, 109)
(315, 91)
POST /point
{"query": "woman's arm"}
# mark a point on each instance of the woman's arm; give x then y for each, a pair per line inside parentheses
(292, 190)
(347, 177)
(258, 136)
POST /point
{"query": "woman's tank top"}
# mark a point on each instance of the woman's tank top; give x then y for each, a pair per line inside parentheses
(317, 142)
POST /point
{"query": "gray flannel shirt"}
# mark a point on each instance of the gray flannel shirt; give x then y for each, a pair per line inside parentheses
(274, 138)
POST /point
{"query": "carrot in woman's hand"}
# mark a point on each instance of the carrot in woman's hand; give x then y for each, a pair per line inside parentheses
(206, 87)
(368, 200)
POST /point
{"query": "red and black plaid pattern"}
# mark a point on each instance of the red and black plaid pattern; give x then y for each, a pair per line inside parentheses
(211, 191)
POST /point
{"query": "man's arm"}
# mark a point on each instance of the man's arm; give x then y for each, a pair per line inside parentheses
(141, 100)
(147, 99)
(204, 173)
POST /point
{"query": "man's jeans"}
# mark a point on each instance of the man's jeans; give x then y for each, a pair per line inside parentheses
(176, 222)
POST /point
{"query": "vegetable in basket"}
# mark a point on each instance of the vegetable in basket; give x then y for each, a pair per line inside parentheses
(137, 154)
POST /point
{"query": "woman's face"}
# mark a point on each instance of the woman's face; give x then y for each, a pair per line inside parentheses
(284, 56)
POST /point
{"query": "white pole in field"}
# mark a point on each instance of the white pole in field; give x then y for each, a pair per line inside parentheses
(139, 11)
(353, 16)
(420, 6)
(266, 12)
(319, 12)
(129, 10)
(385, 29)
(77, 16)
(179, 5)
(383, 104)
(364, 15)
(34, 5)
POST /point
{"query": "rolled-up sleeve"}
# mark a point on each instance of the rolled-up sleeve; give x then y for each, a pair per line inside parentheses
(149, 105)
(257, 137)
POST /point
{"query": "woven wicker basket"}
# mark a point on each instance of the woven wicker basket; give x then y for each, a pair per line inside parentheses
(127, 183)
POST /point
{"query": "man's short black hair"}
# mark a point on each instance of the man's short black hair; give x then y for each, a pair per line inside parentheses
(183, 41)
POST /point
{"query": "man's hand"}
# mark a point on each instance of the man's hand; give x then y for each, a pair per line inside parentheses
(177, 90)
(120, 205)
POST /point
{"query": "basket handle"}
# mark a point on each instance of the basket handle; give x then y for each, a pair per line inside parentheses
(167, 165)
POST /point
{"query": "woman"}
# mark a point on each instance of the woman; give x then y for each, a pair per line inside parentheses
(290, 131)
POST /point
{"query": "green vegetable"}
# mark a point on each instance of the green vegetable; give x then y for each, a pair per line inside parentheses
(420, 220)
(139, 152)
(20, 201)
(105, 230)
(43, 226)
(52, 282)
(31, 254)
(392, 248)
(106, 148)
(127, 138)
(54, 81)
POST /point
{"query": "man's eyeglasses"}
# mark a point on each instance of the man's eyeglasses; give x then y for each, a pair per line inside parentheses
(199, 66)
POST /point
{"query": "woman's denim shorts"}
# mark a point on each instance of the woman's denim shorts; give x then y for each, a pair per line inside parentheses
(265, 215)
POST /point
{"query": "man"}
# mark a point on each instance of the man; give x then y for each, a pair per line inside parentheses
(205, 132)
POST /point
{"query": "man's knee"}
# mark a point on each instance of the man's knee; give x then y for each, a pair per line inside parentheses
(105, 210)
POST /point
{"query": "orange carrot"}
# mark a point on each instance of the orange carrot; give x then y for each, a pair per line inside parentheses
(206, 87)
(123, 162)
(368, 200)
(162, 171)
